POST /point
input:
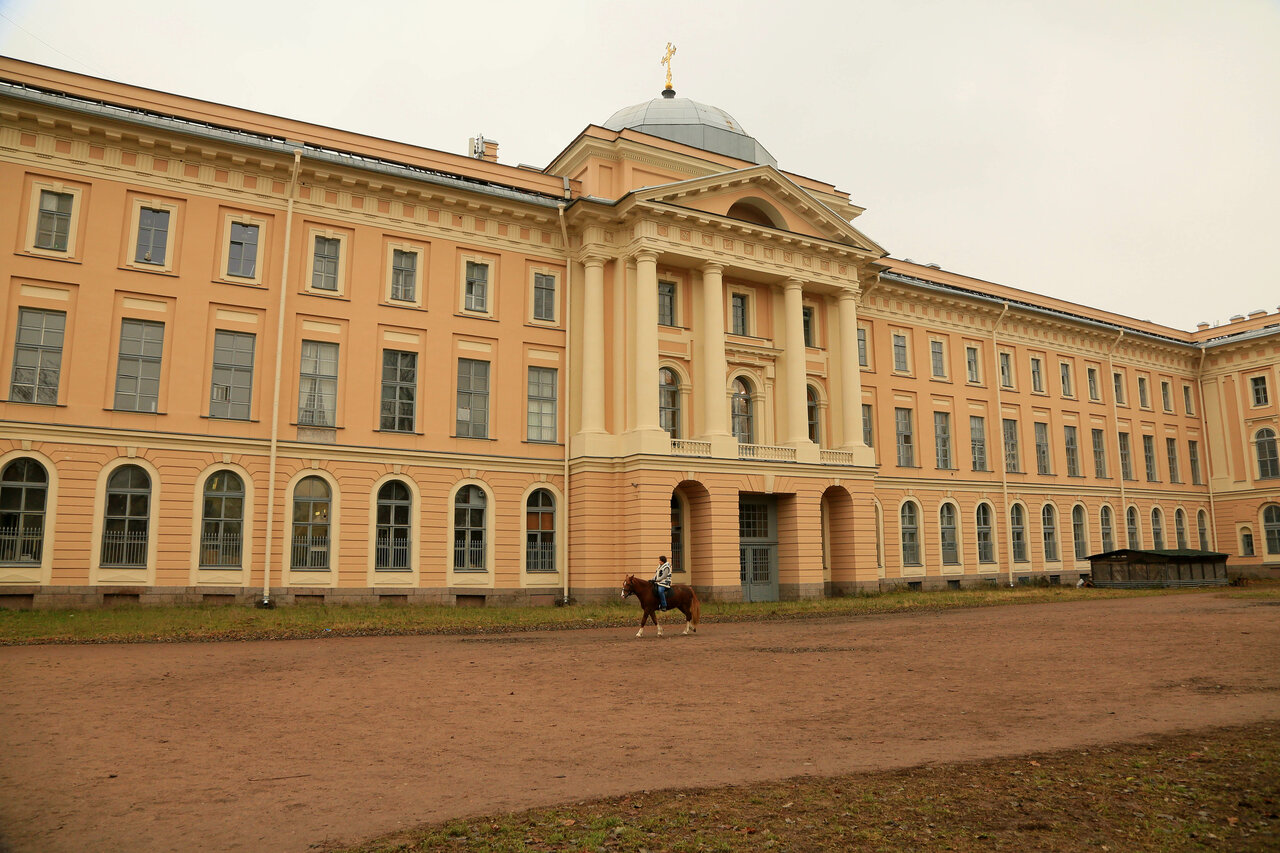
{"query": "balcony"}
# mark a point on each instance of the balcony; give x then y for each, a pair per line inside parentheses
(837, 457)
(688, 447)
(769, 452)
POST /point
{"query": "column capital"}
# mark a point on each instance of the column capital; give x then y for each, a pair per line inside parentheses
(591, 261)
(848, 296)
(712, 267)
(645, 255)
(793, 284)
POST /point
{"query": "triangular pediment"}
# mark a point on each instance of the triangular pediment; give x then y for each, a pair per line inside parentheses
(760, 197)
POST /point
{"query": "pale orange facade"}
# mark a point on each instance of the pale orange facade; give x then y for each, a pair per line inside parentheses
(248, 357)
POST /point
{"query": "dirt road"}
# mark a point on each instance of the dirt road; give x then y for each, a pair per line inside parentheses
(279, 746)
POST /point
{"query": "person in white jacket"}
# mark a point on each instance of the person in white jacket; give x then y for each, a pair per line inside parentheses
(662, 580)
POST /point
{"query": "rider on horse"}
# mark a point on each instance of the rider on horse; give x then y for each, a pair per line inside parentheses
(662, 580)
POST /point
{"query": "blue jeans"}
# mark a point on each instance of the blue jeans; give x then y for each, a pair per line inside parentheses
(662, 596)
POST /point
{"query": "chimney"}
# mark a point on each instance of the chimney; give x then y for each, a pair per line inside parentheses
(1261, 312)
(1201, 326)
(483, 149)
(1237, 318)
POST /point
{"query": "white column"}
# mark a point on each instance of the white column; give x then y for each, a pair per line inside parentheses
(794, 388)
(646, 339)
(593, 346)
(711, 391)
(850, 375)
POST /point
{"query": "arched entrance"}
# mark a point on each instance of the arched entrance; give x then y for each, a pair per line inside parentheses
(838, 541)
(690, 516)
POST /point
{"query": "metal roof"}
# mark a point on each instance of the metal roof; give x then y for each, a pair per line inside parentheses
(692, 123)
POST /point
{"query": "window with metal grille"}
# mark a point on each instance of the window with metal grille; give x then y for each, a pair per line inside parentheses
(398, 408)
(741, 411)
(318, 384)
(37, 356)
(942, 439)
(469, 507)
(53, 222)
(1012, 464)
(544, 297)
(392, 545)
(404, 275)
(986, 542)
(126, 520)
(542, 404)
(906, 441)
(473, 398)
(1099, 453)
(153, 236)
(1018, 532)
(24, 489)
(677, 534)
(669, 401)
(978, 442)
(1049, 531)
(242, 250)
(753, 521)
(910, 518)
(947, 535)
(138, 366)
(1149, 456)
(231, 389)
(309, 551)
(1079, 533)
(222, 521)
(666, 303)
(540, 533)
(476, 296)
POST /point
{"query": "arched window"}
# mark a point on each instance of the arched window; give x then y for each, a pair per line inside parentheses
(540, 532)
(311, 499)
(1268, 460)
(1131, 527)
(395, 508)
(1271, 526)
(947, 527)
(1079, 532)
(1105, 521)
(811, 406)
(24, 486)
(986, 544)
(222, 521)
(741, 411)
(125, 524)
(468, 530)
(1202, 528)
(1157, 529)
(910, 534)
(669, 401)
(1049, 527)
(1018, 532)
(1180, 527)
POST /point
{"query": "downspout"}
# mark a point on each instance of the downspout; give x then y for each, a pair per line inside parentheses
(1122, 517)
(275, 396)
(1208, 456)
(568, 381)
(999, 426)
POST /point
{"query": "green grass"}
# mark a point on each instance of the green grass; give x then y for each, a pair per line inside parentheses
(1212, 790)
(134, 624)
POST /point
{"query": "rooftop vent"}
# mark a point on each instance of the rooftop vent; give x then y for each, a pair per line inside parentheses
(1202, 325)
(1237, 318)
(1261, 312)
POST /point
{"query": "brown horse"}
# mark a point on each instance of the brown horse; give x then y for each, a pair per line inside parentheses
(680, 596)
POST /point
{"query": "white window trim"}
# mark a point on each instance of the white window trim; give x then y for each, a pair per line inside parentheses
(344, 257)
(128, 576)
(73, 226)
(750, 297)
(399, 578)
(977, 348)
(328, 578)
(136, 206)
(232, 217)
(228, 576)
(816, 326)
(945, 376)
(491, 292)
(531, 298)
(474, 580)
(43, 573)
(893, 362)
(418, 273)
(540, 580)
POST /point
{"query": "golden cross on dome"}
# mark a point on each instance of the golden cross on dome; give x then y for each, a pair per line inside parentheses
(666, 60)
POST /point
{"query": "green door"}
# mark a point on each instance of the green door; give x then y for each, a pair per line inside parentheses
(758, 548)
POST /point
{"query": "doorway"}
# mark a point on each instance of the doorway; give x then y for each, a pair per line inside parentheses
(758, 547)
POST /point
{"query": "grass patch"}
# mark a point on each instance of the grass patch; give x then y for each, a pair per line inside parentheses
(1214, 790)
(137, 624)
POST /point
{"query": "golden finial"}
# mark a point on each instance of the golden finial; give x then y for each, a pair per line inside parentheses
(666, 60)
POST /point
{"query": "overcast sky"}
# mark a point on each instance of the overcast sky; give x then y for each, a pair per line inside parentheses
(1124, 154)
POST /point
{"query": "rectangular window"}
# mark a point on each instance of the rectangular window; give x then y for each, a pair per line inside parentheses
(231, 391)
(806, 315)
(1064, 377)
(404, 275)
(978, 442)
(324, 264)
(972, 371)
(1091, 373)
(1071, 439)
(138, 366)
(900, 353)
(1117, 382)
(1042, 448)
(1246, 543)
(37, 356)
(1166, 396)
(868, 429)
(1171, 456)
(1143, 399)
(906, 445)
(1006, 370)
(242, 253)
(1011, 463)
(542, 404)
(666, 303)
(398, 409)
(1037, 375)
(473, 398)
(738, 313)
(937, 366)
(1099, 453)
(476, 297)
(1126, 457)
(53, 224)
(1186, 400)
(153, 236)
(942, 439)
(1149, 456)
(1193, 451)
(544, 298)
(862, 347)
(1258, 385)
(318, 384)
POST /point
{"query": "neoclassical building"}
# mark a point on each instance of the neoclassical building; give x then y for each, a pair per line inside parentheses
(247, 357)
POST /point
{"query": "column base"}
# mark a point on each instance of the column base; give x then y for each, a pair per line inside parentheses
(648, 440)
(806, 451)
(862, 455)
(593, 444)
(723, 445)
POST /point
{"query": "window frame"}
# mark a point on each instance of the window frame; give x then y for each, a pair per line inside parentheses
(740, 321)
(668, 303)
(398, 385)
(1098, 438)
(944, 458)
(137, 206)
(474, 428)
(1266, 453)
(139, 359)
(467, 295)
(22, 509)
(1259, 391)
(338, 240)
(538, 288)
(398, 517)
(1006, 369)
(1044, 455)
(973, 364)
(1037, 375)
(938, 368)
(209, 492)
(1009, 439)
(1066, 379)
(1071, 448)
(670, 404)
(909, 533)
(231, 219)
(38, 186)
(1049, 533)
(904, 431)
(39, 351)
(306, 414)
(236, 370)
(1091, 380)
(471, 531)
(900, 344)
(543, 400)
(309, 547)
(546, 559)
(978, 443)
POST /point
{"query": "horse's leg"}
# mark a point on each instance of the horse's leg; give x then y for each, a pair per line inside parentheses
(644, 615)
(688, 619)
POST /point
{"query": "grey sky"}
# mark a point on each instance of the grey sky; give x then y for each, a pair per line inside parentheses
(1121, 154)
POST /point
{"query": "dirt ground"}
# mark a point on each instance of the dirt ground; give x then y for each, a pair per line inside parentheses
(288, 745)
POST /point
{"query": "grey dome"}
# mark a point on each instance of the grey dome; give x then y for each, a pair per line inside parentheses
(691, 123)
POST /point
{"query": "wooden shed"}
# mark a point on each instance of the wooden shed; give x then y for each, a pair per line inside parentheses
(1132, 568)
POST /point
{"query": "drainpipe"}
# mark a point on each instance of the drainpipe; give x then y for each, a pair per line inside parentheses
(999, 426)
(568, 382)
(1208, 463)
(275, 396)
(1121, 520)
